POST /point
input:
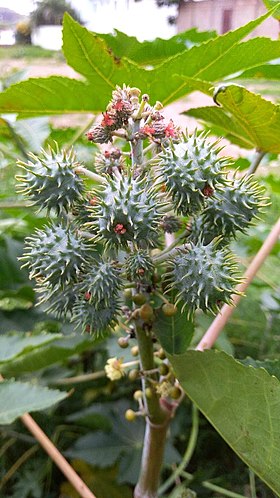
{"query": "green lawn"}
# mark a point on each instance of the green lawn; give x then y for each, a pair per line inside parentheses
(28, 51)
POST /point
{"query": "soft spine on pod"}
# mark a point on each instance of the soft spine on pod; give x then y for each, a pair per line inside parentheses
(97, 304)
(50, 180)
(127, 210)
(191, 170)
(203, 277)
(55, 255)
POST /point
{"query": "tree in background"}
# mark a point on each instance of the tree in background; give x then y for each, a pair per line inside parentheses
(50, 12)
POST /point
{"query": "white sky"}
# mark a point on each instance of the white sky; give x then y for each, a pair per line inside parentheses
(142, 19)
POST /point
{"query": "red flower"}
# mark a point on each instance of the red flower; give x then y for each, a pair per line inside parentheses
(170, 130)
(107, 120)
(119, 105)
(119, 229)
(208, 191)
(147, 130)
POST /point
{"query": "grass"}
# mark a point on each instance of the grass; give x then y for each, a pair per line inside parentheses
(28, 52)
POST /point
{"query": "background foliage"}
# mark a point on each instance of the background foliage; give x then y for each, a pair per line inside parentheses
(40, 352)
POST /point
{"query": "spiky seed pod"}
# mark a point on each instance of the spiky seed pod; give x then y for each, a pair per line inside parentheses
(127, 211)
(232, 208)
(95, 319)
(101, 283)
(171, 224)
(60, 301)
(50, 180)
(139, 266)
(203, 232)
(191, 170)
(55, 255)
(204, 277)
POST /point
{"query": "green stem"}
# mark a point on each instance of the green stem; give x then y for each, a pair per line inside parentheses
(170, 253)
(157, 423)
(136, 147)
(222, 491)
(80, 132)
(255, 163)
(188, 453)
(93, 176)
(252, 484)
(14, 205)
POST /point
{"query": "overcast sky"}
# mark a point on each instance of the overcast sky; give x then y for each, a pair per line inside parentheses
(142, 19)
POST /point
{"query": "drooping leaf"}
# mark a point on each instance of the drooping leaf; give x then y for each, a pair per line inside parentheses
(246, 118)
(241, 402)
(174, 332)
(18, 398)
(11, 346)
(48, 354)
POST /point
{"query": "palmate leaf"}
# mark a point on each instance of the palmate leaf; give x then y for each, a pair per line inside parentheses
(246, 118)
(272, 3)
(156, 51)
(17, 398)
(241, 402)
(89, 55)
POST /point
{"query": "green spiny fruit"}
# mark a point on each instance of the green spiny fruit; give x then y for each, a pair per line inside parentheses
(232, 208)
(50, 180)
(59, 301)
(191, 170)
(127, 211)
(139, 266)
(55, 255)
(101, 282)
(204, 277)
(95, 319)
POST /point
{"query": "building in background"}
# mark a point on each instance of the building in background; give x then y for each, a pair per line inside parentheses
(224, 15)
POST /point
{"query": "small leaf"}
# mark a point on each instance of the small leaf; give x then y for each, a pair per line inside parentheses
(15, 345)
(241, 402)
(55, 352)
(273, 3)
(174, 332)
(18, 398)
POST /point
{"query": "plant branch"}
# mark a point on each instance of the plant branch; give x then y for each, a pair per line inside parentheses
(92, 376)
(57, 457)
(93, 176)
(219, 322)
(188, 453)
(256, 161)
(15, 205)
(20, 461)
(222, 491)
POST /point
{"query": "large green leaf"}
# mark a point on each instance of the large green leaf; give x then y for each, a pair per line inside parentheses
(48, 354)
(17, 398)
(156, 51)
(241, 402)
(12, 346)
(90, 56)
(52, 95)
(264, 71)
(246, 118)
(174, 332)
